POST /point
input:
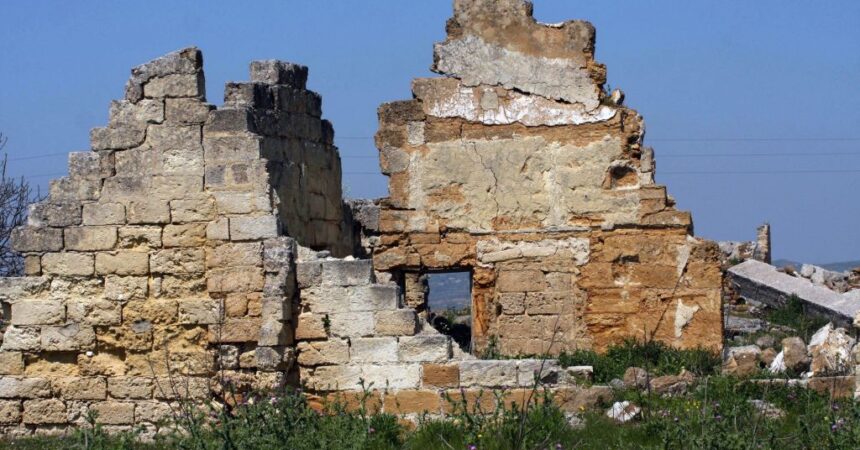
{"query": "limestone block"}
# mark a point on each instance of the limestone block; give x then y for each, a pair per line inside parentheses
(148, 211)
(176, 85)
(308, 273)
(488, 373)
(235, 254)
(40, 412)
(44, 214)
(238, 279)
(228, 357)
(72, 337)
(15, 288)
(373, 350)
(347, 273)
(543, 372)
(139, 114)
(151, 310)
(91, 165)
(37, 312)
(309, 326)
(278, 253)
(103, 214)
(279, 72)
(185, 388)
(242, 202)
(10, 412)
(228, 120)
(204, 311)
(68, 264)
(139, 237)
(373, 298)
(218, 230)
(122, 263)
(235, 330)
(352, 324)
(188, 61)
(172, 187)
(94, 311)
(272, 358)
(512, 302)
(424, 348)
(30, 387)
(253, 228)
(197, 209)
(400, 322)
(37, 239)
(21, 338)
(177, 261)
(392, 376)
(332, 351)
(152, 412)
(101, 364)
(188, 235)
(521, 281)
(331, 378)
(125, 288)
(90, 238)
(11, 363)
(241, 147)
(275, 333)
(130, 387)
(80, 388)
(67, 189)
(116, 138)
(186, 110)
(440, 375)
(132, 337)
(114, 413)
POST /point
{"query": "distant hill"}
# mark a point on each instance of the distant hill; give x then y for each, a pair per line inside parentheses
(837, 266)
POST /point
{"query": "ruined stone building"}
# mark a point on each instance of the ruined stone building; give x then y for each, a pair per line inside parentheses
(197, 244)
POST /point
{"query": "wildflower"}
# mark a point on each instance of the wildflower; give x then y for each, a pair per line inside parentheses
(473, 447)
(558, 446)
(371, 430)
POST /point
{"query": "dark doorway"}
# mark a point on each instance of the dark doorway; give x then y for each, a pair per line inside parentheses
(449, 305)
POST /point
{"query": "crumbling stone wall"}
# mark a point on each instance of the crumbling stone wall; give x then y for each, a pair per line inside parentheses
(160, 267)
(517, 166)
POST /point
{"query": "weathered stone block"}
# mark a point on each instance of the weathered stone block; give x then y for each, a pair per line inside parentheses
(308, 273)
(116, 138)
(279, 72)
(186, 110)
(151, 310)
(197, 209)
(10, 412)
(332, 351)
(373, 350)
(188, 235)
(392, 376)
(236, 330)
(347, 273)
(239, 279)
(103, 214)
(37, 312)
(37, 239)
(68, 264)
(90, 239)
(330, 378)
(66, 189)
(521, 281)
(21, 338)
(11, 363)
(413, 402)
(204, 311)
(424, 348)
(114, 413)
(176, 85)
(139, 237)
(352, 324)
(400, 322)
(218, 230)
(131, 387)
(178, 261)
(125, 288)
(44, 214)
(310, 326)
(373, 298)
(488, 373)
(274, 333)
(41, 412)
(30, 387)
(77, 388)
(101, 364)
(272, 358)
(94, 311)
(440, 375)
(122, 263)
(148, 212)
(72, 337)
(253, 228)
(235, 254)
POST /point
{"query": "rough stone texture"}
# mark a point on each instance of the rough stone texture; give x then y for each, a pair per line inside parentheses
(518, 168)
(764, 283)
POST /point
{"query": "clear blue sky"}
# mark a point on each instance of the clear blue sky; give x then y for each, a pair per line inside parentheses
(780, 76)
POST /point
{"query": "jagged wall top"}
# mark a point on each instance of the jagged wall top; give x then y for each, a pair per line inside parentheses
(499, 43)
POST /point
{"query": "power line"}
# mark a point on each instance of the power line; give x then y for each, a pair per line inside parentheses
(709, 139)
(756, 172)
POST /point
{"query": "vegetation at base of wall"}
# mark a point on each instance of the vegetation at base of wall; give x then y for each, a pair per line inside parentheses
(657, 358)
(715, 414)
(792, 315)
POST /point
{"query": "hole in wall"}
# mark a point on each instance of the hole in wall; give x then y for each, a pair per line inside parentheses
(449, 305)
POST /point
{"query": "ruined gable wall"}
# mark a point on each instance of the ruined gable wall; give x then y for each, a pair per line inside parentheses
(517, 166)
(160, 265)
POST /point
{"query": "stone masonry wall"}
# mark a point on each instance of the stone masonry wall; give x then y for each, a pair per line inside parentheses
(517, 166)
(160, 267)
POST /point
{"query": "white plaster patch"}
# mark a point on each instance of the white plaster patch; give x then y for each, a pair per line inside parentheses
(683, 315)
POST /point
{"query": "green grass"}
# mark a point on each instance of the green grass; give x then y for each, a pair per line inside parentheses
(656, 357)
(792, 316)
